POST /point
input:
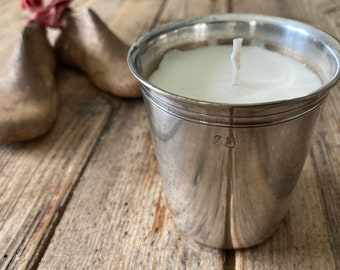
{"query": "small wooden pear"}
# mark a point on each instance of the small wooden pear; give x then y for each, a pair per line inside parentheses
(28, 98)
(87, 43)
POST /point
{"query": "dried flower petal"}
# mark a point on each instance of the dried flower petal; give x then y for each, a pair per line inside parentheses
(51, 15)
(31, 4)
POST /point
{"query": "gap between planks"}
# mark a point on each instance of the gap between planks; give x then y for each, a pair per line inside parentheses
(43, 245)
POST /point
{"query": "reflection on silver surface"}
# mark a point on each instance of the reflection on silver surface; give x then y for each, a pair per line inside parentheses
(229, 170)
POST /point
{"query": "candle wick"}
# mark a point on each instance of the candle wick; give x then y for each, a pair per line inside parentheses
(236, 61)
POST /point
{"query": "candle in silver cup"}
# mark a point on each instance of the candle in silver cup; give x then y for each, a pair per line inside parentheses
(208, 74)
(228, 170)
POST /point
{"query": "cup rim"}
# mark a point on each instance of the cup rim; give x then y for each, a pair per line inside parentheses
(331, 42)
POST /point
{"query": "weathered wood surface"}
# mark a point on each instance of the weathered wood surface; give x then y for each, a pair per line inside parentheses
(88, 195)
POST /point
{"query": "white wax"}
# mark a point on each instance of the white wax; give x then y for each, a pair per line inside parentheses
(205, 74)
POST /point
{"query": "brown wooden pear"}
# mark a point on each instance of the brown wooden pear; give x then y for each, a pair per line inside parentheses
(28, 98)
(87, 43)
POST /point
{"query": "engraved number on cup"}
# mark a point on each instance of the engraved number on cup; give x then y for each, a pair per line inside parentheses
(218, 140)
(227, 142)
(230, 142)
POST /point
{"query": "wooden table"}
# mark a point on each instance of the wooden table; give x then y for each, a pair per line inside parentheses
(88, 195)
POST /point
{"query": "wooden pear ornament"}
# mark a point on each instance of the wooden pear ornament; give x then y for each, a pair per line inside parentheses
(87, 43)
(28, 98)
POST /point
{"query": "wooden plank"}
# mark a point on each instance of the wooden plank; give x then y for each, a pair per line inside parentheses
(325, 152)
(36, 175)
(323, 14)
(326, 148)
(272, 8)
(113, 202)
(136, 17)
(11, 22)
(319, 187)
(106, 10)
(175, 10)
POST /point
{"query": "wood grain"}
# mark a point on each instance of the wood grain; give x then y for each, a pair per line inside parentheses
(325, 152)
(175, 10)
(35, 176)
(10, 30)
(135, 18)
(88, 194)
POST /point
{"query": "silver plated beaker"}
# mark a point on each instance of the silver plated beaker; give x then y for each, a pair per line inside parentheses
(229, 169)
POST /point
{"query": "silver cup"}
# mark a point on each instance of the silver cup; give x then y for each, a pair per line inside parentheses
(229, 170)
